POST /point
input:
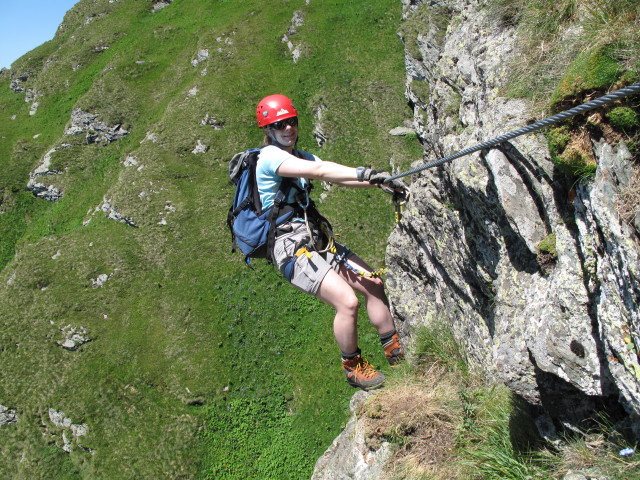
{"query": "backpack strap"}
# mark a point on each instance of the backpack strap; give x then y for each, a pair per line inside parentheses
(278, 203)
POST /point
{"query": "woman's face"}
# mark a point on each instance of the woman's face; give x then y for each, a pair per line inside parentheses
(286, 136)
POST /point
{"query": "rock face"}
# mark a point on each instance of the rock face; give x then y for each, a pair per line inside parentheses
(95, 131)
(560, 332)
(349, 457)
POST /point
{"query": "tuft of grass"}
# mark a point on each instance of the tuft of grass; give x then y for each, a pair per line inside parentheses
(597, 40)
(624, 118)
(593, 69)
(498, 436)
(548, 245)
(436, 344)
(628, 201)
(558, 138)
(571, 151)
(547, 254)
(594, 453)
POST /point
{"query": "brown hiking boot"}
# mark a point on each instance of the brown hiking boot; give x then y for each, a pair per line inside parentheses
(361, 374)
(393, 350)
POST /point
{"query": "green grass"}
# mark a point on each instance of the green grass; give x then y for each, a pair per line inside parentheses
(553, 66)
(548, 245)
(190, 350)
(624, 118)
(596, 68)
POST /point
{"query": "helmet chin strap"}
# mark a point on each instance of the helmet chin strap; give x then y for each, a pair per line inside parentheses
(275, 141)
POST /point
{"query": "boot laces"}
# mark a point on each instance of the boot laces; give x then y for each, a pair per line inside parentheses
(365, 369)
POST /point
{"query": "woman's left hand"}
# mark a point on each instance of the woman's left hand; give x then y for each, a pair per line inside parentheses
(396, 187)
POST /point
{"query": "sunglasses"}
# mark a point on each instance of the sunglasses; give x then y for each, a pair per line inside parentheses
(281, 124)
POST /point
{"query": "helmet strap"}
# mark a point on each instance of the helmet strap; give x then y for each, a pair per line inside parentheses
(275, 142)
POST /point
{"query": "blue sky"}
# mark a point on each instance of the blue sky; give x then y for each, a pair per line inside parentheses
(25, 24)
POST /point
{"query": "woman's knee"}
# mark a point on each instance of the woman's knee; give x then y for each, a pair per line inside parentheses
(348, 301)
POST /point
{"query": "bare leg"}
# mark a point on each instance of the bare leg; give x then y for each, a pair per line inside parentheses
(338, 290)
(373, 290)
(335, 291)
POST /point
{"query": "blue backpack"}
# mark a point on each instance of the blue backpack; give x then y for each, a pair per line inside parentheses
(253, 230)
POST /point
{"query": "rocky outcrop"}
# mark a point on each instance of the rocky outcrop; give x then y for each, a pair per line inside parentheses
(8, 416)
(17, 85)
(160, 5)
(43, 179)
(562, 330)
(296, 22)
(95, 131)
(64, 432)
(349, 456)
(75, 337)
(42, 175)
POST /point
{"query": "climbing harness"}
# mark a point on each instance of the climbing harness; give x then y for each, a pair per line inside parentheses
(325, 227)
(585, 107)
(342, 258)
(327, 233)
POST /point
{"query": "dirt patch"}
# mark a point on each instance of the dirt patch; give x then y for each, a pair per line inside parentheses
(547, 262)
(610, 135)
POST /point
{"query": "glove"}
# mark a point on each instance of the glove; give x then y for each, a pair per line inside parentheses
(374, 177)
(396, 187)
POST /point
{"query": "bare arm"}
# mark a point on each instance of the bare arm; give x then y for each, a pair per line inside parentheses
(326, 171)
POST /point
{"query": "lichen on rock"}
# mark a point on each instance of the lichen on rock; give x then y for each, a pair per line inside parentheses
(466, 252)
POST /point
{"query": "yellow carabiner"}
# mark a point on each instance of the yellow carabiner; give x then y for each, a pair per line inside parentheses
(399, 206)
(399, 209)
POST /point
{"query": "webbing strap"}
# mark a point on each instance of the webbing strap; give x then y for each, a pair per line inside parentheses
(278, 202)
(585, 107)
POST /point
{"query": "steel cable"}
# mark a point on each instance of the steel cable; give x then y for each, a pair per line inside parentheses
(585, 107)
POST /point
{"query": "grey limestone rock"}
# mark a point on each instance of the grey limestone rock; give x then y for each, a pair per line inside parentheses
(563, 334)
(348, 457)
(8, 416)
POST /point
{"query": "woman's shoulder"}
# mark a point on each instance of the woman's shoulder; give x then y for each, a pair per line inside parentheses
(269, 160)
(272, 153)
(271, 150)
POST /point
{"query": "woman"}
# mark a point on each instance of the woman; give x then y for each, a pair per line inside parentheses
(304, 249)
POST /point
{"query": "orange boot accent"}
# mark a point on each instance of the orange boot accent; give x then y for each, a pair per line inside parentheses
(393, 350)
(361, 374)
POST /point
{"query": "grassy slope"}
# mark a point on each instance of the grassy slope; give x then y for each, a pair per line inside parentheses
(192, 352)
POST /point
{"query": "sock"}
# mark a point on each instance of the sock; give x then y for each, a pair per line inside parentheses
(385, 338)
(349, 356)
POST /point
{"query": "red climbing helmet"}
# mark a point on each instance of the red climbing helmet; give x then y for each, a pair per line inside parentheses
(274, 108)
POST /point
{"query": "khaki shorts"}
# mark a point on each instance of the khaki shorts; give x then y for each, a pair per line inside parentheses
(306, 273)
